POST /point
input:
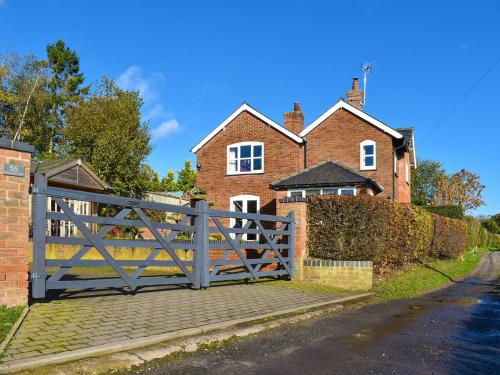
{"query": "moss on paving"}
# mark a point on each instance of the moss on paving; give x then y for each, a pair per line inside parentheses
(427, 275)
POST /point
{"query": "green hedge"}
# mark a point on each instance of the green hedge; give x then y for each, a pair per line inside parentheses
(454, 212)
(479, 236)
(390, 234)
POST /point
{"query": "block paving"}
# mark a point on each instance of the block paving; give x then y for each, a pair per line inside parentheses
(83, 321)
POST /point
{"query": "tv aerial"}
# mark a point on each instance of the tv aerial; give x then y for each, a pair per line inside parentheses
(366, 68)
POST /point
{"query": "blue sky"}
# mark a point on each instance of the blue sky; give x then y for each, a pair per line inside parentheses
(197, 61)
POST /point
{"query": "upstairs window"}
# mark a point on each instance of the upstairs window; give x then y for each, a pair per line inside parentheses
(245, 157)
(368, 155)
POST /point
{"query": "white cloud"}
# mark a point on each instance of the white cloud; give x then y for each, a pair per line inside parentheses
(133, 79)
(157, 111)
(166, 128)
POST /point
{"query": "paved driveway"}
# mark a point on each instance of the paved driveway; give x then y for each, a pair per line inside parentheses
(88, 320)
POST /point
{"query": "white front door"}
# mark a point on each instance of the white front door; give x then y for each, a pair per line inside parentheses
(245, 203)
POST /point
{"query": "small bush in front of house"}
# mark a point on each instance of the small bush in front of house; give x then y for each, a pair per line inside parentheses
(390, 234)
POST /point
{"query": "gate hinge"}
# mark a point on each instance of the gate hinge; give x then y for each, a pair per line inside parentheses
(38, 276)
(37, 190)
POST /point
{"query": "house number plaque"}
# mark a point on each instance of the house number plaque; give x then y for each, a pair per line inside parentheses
(13, 170)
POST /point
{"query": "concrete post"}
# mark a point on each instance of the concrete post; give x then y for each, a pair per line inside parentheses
(15, 158)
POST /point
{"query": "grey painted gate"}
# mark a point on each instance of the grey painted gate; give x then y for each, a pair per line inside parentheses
(218, 250)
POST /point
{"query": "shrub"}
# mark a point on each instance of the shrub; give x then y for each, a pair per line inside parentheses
(388, 233)
(454, 212)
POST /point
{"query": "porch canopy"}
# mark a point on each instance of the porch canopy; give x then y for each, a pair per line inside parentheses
(328, 174)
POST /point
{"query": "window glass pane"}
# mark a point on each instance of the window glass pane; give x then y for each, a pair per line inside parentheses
(330, 191)
(246, 151)
(233, 153)
(369, 149)
(238, 206)
(347, 192)
(295, 194)
(245, 165)
(257, 151)
(312, 192)
(252, 206)
(257, 164)
(233, 166)
(369, 161)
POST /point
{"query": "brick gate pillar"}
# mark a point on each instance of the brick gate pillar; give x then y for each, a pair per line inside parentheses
(15, 160)
(299, 206)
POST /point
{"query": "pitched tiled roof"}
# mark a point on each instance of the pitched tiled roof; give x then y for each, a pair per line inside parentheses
(328, 173)
(72, 172)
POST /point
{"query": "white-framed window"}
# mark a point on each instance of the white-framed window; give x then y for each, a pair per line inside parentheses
(368, 155)
(244, 203)
(65, 228)
(407, 172)
(395, 164)
(302, 193)
(245, 158)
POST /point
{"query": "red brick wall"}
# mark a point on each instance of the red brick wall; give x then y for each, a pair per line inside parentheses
(300, 212)
(14, 218)
(403, 192)
(339, 137)
(282, 157)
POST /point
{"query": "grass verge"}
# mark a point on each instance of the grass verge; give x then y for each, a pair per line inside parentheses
(8, 316)
(427, 275)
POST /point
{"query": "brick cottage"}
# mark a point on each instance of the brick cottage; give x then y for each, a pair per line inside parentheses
(249, 162)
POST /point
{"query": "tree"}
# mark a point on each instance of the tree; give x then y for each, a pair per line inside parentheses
(492, 224)
(105, 130)
(461, 189)
(186, 177)
(64, 85)
(24, 100)
(168, 182)
(425, 181)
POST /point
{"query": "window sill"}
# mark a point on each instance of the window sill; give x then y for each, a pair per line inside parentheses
(245, 174)
(368, 169)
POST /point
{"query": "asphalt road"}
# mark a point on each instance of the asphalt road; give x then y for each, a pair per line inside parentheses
(452, 331)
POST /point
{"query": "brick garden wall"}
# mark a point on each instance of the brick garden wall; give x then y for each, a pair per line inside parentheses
(355, 275)
(14, 225)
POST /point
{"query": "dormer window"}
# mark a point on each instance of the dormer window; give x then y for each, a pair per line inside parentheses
(245, 158)
(368, 155)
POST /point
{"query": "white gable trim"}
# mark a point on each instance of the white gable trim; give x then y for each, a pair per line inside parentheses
(246, 107)
(343, 105)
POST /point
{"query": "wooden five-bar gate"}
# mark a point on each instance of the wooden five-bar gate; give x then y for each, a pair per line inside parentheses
(218, 250)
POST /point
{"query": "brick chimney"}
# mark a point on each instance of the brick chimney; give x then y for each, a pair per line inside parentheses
(294, 121)
(355, 95)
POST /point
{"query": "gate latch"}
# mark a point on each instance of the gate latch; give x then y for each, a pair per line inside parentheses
(35, 275)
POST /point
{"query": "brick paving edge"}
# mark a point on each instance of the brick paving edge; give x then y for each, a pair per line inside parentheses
(94, 351)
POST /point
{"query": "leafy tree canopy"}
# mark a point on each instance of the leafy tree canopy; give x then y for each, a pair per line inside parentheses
(425, 180)
(105, 130)
(186, 177)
